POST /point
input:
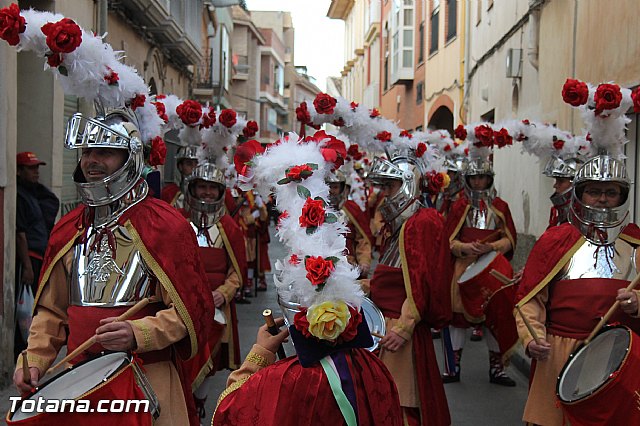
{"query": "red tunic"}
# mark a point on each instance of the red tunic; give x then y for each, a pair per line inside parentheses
(170, 193)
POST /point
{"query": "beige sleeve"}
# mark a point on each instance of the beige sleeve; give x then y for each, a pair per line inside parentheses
(536, 314)
(257, 359)
(231, 284)
(503, 245)
(456, 248)
(48, 328)
(161, 330)
(363, 250)
(365, 285)
(404, 325)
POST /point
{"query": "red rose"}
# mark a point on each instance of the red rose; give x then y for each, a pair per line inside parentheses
(447, 148)
(353, 106)
(312, 213)
(502, 138)
(635, 96)
(294, 259)
(208, 119)
(421, 149)
(302, 113)
(460, 132)
(189, 111)
(339, 122)
(526, 122)
(351, 330)
(318, 269)
(161, 110)
(294, 173)
(575, 92)
(138, 101)
(406, 134)
(283, 215)
(54, 60)
(63, 36)
(384, 136)
(250, 129)
(324, 104)
(484, 134)
(608, 96)
(353, 150)
(12, 24)
(435, 181)
(158, 152)
(374, 113)
(227, 118)
(160, 97)
(111, 78)
(558, 143)
(301, 323)
(244, 154)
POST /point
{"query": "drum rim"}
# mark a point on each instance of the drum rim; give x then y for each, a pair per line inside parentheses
(494, 252)
(604, 384)
(128, 357)
(383, 331)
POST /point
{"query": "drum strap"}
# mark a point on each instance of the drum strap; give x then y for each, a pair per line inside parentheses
(334, 381)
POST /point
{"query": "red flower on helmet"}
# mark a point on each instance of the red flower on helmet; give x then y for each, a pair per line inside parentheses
(338, 122)
(406, 134)
(161, 110)
(558, 143)
(294, 259)
(484, 134)
(353, 106)
(158, 152)
(460, 132)
(208, 119)
(298, 173)
(635, 96)
(502, 138)
(189, 111)
(421, 149)
(333, 150)
(374, 113)
(54, 60)
(324, 103)
(12, 24)
(383, 136)
(526, 122)
(244, 155)
(313, 213)
(302, 113)
(137, 101)
(111, 78)
(318, 269)
(608, 96)
(575, 92)
(250, 129)
(227, 118)
(63, 36)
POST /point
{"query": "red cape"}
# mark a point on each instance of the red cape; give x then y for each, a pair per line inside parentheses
(359, 220)
(552, 251)
(287, 394)
(458, 214)
(424, 251)
(173, 259)
(230, 202)
(169, 193)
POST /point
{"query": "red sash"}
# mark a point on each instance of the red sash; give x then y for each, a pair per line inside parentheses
(387, 290)
(216, 265)
(576, 306)
(468, 235)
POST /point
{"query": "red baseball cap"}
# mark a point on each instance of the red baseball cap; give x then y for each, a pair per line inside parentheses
(28, 159)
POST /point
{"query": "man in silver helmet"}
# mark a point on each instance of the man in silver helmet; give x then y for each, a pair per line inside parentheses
(595, 252)
(186, 161)
(478, 224)
(119, 247)
(563, 171)
(359, 238)
(222, 250)
(410, 286)
(444, 200)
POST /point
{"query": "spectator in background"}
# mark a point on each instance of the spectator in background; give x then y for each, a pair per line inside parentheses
(36, 211)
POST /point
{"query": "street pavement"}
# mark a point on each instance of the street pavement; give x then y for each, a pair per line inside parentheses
(472, 401)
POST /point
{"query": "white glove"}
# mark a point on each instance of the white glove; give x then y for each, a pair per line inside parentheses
(255, 214)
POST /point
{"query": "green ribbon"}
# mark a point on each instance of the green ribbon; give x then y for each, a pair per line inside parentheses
(343, 403)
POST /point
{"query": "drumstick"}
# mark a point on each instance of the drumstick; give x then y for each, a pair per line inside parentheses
(491, 236)
(273, 329)
(611, 310)
(92, 340)
(529, 327)
(26, 374)
(501, 277)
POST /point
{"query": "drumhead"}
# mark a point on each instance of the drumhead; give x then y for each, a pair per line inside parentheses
(375, 321)
(76, 381)
(478, 266)
(590, 367)
(219, 317)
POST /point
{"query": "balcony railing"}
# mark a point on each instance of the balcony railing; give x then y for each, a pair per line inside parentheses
(203, 76)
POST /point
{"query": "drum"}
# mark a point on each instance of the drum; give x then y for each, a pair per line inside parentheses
(113, 378)
(375, 321)
(599, 383)
(499, 318)
(477, 284)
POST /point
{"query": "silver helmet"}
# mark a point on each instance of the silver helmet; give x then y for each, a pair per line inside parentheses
(557, 167)
(454, 167)
(338, 200)
(203, 213)
(477, 167)
(398, 207)
(600, 225)
(116, 129)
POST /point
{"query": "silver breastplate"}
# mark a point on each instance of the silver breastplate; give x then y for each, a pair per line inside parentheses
(391, 256)
(481, 219)
(591, 261)
(208, 237)
(100, 277)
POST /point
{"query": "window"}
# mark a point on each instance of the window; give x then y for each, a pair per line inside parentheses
(278, 79)
(435, 18)
(421, 43)
(419, 92)
(402, 40)
(225, 58)
(478, 12)
(452, 19)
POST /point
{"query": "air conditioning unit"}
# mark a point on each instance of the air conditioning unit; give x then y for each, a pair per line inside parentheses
(514, 63)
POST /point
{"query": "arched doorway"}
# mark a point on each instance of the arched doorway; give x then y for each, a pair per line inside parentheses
(442, 118)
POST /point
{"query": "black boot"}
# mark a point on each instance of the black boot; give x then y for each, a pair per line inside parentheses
(496, 371)
(453, 377)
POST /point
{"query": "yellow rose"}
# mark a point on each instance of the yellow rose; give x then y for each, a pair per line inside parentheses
(446, 180)
(328, 319)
